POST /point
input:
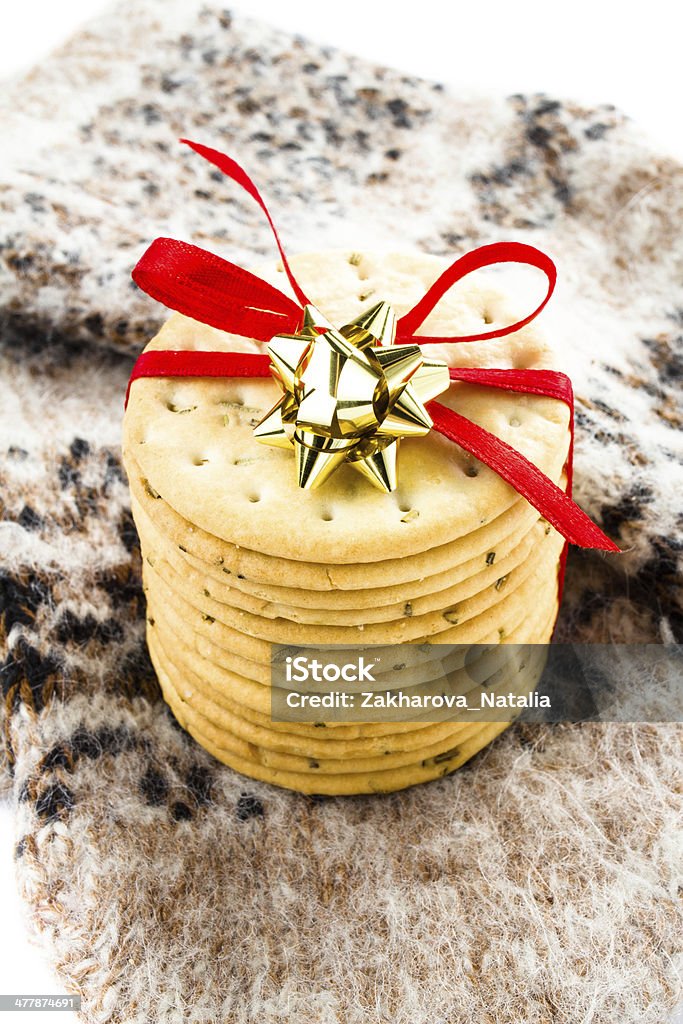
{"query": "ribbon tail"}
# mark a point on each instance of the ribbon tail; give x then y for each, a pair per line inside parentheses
(550, 500)
(231, 169)
(550, 384)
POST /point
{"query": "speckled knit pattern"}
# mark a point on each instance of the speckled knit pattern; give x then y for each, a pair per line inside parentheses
(540, 883)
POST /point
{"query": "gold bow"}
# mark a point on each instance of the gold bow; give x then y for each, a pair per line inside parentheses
(349, 395)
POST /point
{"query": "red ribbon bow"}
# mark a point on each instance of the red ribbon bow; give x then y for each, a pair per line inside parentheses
(219, 293)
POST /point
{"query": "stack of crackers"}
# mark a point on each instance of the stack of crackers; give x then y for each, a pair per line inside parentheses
(237, 558)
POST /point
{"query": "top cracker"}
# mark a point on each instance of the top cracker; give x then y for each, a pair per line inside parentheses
(193, 438)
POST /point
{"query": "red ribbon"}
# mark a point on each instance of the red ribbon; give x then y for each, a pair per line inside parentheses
(216, 292)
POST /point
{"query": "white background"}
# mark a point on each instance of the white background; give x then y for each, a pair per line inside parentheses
(614, 52)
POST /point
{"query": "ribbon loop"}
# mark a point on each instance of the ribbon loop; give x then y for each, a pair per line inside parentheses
(210, 289)
(485, 256)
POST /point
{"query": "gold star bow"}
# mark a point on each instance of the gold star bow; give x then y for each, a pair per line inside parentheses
(349, 395)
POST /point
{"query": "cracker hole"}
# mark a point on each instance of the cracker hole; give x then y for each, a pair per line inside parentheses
(366, 295)
(175, 407)
(515, 421)
(486, 317)
(254, 497)
(327, 517)
(200, 460)
(471, 471)
(404, 506)
(410, 516)
(356, 260)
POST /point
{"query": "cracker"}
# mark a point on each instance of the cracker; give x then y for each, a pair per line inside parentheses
(497, 548)
(200, 713)
(193, 685)
(193, 441)
(157, 550)
(238, 664)
(248, 566)
(228, 688)
(353, 783)
(534, 596)
(164, 618)
(544, 554)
